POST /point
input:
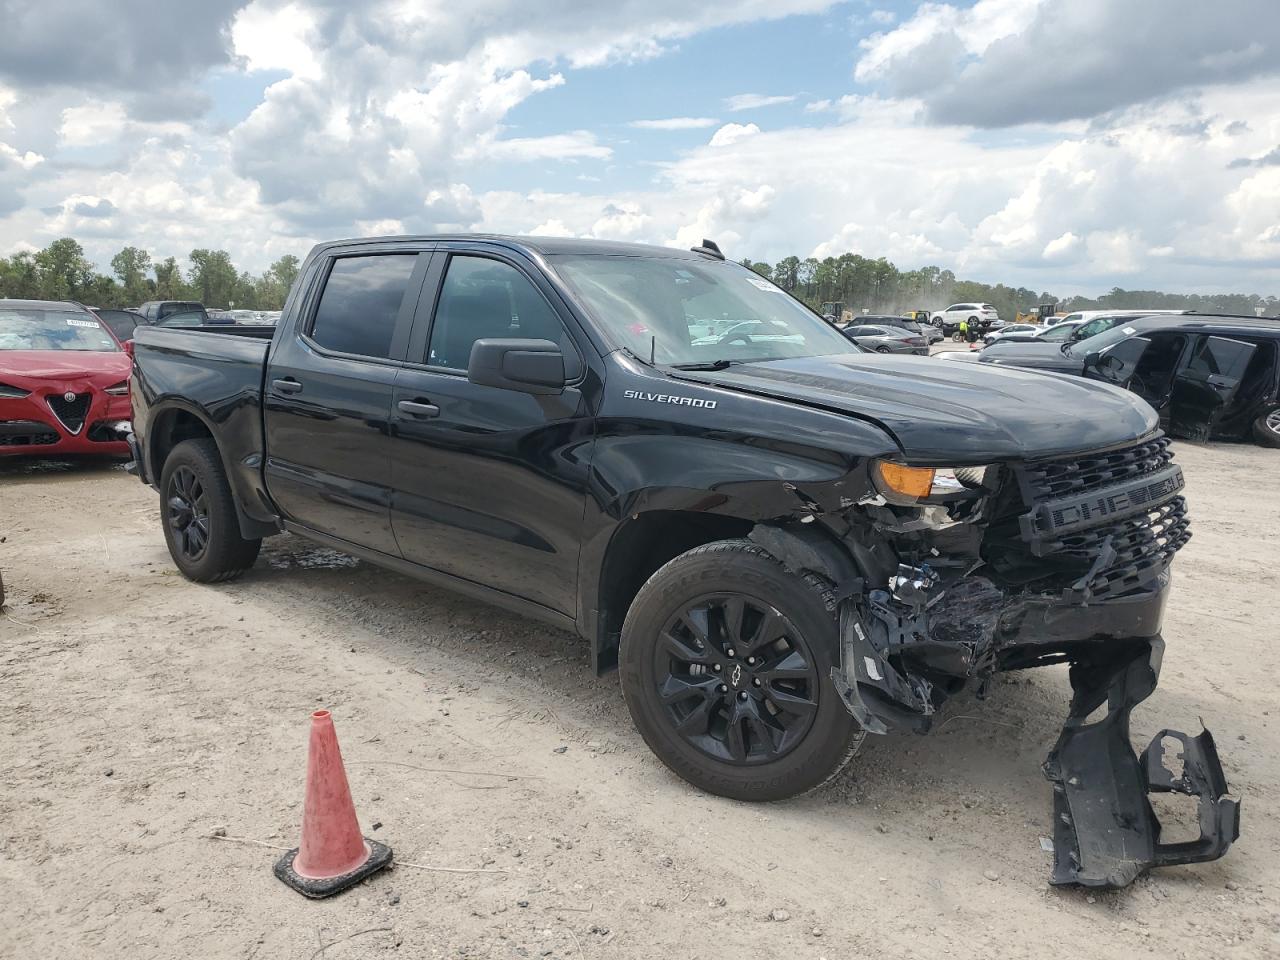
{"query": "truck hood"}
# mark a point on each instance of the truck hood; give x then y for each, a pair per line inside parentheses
(951, 413)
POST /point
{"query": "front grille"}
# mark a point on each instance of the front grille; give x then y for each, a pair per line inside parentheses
(1050, 479)
(26, 433)
(1137, 550)
(1066, 524)
(70, 413)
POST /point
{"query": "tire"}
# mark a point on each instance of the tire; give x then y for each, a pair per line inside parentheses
(882, 349)
(1266, 429)
(199, 518)
(777, 753)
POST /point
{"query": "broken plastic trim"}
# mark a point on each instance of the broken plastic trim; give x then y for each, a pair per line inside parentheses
(1105, 832)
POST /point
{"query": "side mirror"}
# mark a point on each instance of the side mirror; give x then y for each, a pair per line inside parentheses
(128, 347)
(529, 366)
(1093, 360)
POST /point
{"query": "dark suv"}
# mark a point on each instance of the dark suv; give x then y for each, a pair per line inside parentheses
(1207, 376)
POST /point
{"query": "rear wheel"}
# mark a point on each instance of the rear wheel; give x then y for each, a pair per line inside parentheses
(199, 515)
(1266, 429)
(725, 666)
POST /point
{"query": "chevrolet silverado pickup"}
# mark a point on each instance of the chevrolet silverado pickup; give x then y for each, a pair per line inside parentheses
(782, 542)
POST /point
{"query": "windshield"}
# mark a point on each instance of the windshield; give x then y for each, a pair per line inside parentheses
(53, 330)
(696, 311)
(1099, 342)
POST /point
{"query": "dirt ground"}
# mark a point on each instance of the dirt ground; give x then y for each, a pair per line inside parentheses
(140, 713)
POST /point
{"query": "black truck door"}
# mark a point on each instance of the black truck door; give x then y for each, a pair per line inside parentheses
(489, 483)
(1206, 386)
(1117, 364)
(327, 398)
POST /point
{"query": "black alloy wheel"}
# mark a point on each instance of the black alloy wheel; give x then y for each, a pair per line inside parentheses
(188, 513)
(736, 679)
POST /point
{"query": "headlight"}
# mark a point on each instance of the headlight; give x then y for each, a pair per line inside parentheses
(13, 393)
(903, 484)
(119, 389)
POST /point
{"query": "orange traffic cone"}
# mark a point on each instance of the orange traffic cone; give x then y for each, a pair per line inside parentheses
(333, 855)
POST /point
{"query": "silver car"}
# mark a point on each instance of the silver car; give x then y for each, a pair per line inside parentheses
(887, 339)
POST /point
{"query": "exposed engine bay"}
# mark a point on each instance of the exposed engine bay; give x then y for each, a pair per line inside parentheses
(1046, 562)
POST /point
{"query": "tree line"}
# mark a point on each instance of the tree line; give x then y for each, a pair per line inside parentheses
(62, 272)
(877, 286)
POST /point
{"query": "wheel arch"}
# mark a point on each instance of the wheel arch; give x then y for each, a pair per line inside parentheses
(645, 542)
(176, 422)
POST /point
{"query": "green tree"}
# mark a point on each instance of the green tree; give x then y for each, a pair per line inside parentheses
(19, 277)
(213, 277)
(169, 284)
(63, 270)
(131, 265)
(786, 273)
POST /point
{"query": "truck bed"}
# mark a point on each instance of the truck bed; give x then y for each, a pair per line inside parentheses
(215, 372)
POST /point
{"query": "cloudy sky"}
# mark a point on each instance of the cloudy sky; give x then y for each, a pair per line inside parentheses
(1063, 144)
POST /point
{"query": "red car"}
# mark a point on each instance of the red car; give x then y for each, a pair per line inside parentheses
(64, 382)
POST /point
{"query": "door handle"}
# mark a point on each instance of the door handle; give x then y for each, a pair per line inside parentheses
(289, 385)
(416, 408)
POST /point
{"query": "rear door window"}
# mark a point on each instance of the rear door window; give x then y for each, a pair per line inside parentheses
(1218, 356)
(360, 304)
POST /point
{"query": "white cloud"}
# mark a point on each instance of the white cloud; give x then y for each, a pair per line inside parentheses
(1063, 248)
(986, 64)
(578, 144)
(753, 101)
(277, 38)
(675, 123)
(92, 124)
(732, 133)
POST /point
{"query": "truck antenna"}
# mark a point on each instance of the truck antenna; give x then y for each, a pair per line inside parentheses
(653, 348)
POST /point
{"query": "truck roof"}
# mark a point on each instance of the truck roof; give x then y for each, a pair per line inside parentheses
(1208, 322)
(546, 246)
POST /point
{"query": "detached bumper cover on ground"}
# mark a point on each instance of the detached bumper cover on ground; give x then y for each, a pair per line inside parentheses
(1105, 833)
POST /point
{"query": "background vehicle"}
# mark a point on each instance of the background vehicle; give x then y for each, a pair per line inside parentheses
(1039, 315)
(169, 313)
(981, 315)
(1012, 328)
(1058, 333)
(63, 382)
(835, 312)
(781, 542)
(121, 323)
(1208, 377)
(929, 332)
(887, 339)
(1086, 315)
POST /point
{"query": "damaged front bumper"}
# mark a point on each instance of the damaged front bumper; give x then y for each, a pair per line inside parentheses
(1064, 561)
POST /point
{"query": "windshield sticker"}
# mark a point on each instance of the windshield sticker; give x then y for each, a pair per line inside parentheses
(92, 325)
(1129, 331)
(764, 285)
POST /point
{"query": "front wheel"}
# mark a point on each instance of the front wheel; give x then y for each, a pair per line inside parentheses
(199, 515)
(1266, 429)
(725, 667)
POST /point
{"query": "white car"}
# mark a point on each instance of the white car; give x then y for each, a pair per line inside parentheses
(1084, 316)
(1029, 329)
(976, 313)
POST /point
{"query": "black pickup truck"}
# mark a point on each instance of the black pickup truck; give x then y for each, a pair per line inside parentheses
(781, 541)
